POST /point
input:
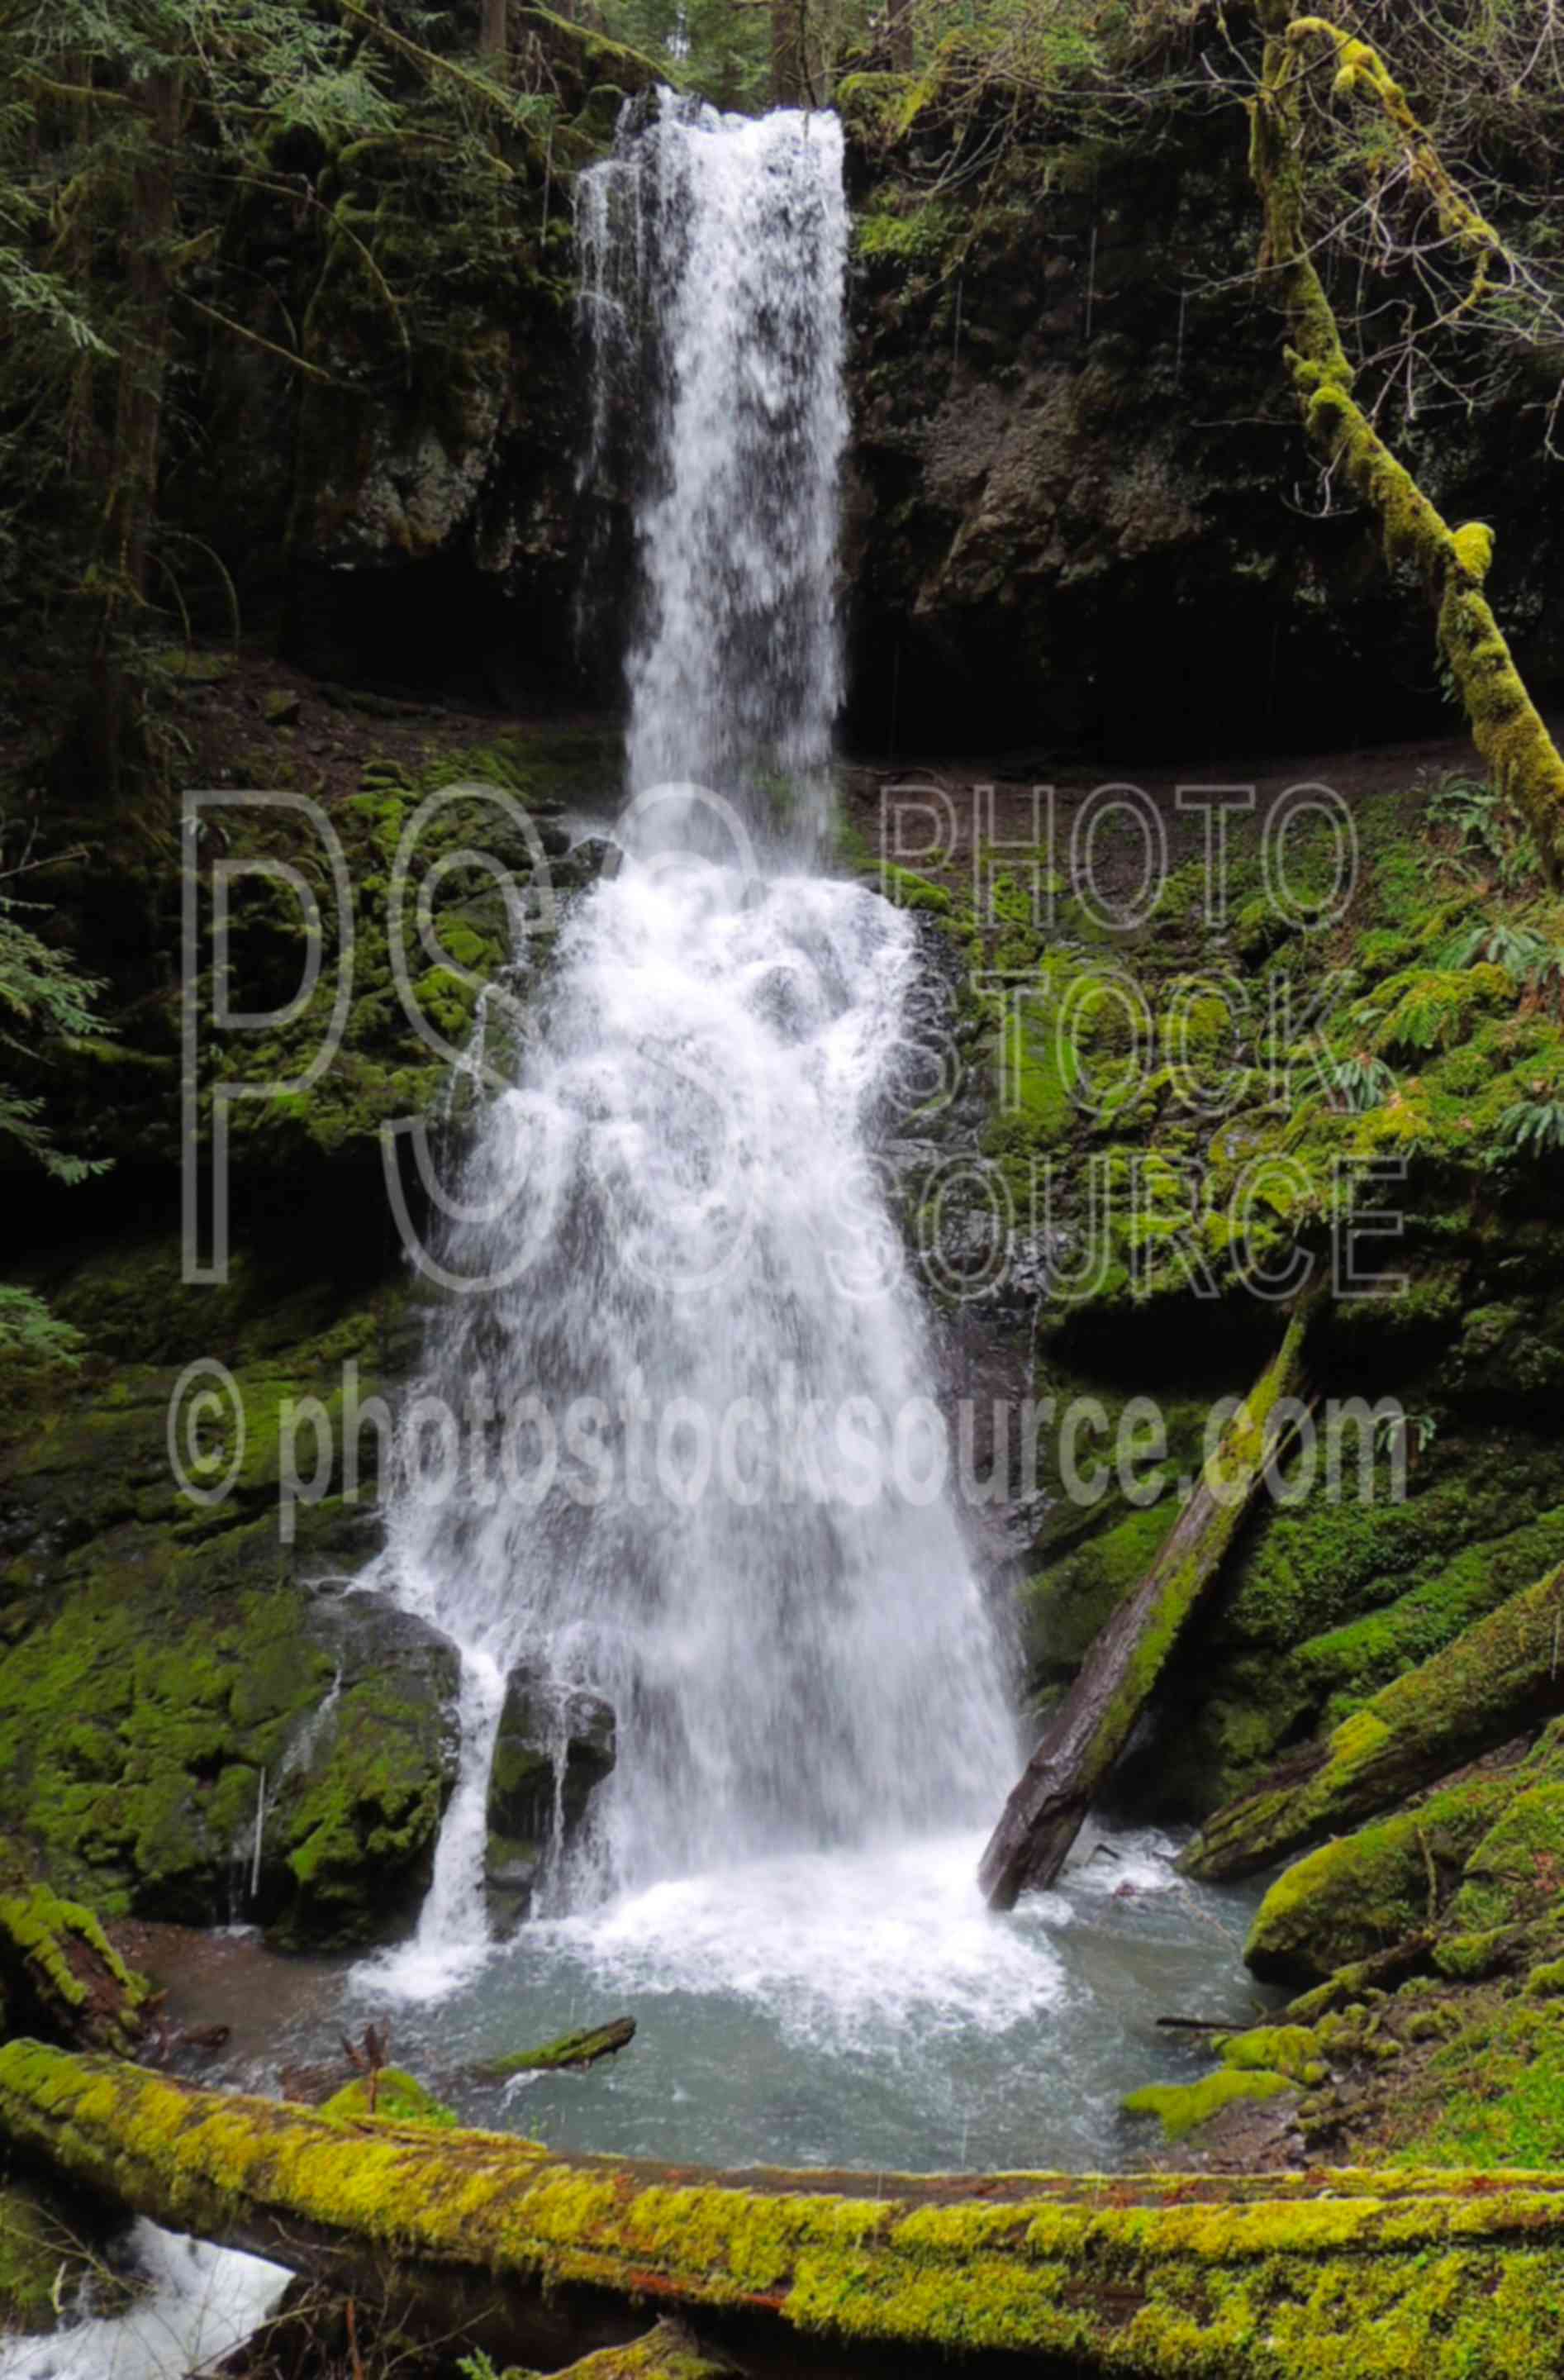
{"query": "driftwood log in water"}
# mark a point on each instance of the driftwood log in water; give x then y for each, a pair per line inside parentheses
(568, 2055)
(546, 2259)
(1070, 1765)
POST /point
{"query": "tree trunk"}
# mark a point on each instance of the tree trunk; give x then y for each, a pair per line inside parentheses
(789, 75)
(131, 513)
(899, 35)
(1507, 727)
(494, 33)
(1069, 1766)
(482, 2236)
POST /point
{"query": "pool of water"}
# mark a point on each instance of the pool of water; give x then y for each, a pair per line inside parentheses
(858, 2008)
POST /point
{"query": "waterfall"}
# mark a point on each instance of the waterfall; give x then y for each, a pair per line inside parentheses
(715, 252)
(702, 1483)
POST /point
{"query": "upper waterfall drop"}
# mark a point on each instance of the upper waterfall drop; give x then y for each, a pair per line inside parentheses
(715, 251)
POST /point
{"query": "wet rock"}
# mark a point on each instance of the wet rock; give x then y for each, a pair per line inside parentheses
(348, 1848)
(555, 1746)
(593, 858)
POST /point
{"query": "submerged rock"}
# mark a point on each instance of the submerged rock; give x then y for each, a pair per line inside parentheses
(555, 1746)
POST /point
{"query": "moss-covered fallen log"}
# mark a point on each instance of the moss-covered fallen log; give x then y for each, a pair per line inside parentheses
(551, 2257)
(570, 2054)
(1067, 1772)
(61, 1976)
(1503, 1675)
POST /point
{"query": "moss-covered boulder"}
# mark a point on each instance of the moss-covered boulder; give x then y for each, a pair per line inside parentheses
(555, 1745)
(178, 1688)
(1370, 1890)
(350, 1827)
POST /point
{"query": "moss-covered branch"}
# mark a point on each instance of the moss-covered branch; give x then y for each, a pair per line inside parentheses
(1076, 1756)
(1281, 2276)
(1451, 562)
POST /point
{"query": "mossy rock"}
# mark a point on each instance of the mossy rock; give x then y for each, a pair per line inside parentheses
(168, 1665)
(555, 1745)
(1289, 2049)
(1498, 1679)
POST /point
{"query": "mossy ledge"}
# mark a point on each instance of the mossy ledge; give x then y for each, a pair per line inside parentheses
(1369, 2274)
(1496, 1679)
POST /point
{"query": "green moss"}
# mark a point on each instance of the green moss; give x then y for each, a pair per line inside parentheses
(919, 234)
(907, 890)
(63, 1977)
(399, 2099)
(1372, 1888)
(667, 2353)
(1183, 2106)
(1463, 1696)
(1467, 1958)
(1289, 2049)
(1066, 1604)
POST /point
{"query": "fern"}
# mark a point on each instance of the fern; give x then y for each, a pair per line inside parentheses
(42, 998)
(1359, 1083)
(31, 1335)
(1533, 1128)
(1517, 949)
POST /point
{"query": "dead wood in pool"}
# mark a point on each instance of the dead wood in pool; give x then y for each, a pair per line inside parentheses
(1070, 1765)
(569, 2055)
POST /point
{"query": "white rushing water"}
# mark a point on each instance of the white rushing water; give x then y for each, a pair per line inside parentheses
(714, 258)
(190, 2305)
(693, 1291)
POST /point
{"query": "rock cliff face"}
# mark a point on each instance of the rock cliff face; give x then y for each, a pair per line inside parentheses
(1081, 515)
(1084, 518)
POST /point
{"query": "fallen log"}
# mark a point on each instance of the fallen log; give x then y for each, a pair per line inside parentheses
(1502, 1676)
(549, 2258)
(1067, 1772)
(569, 2055)
(60, 1975)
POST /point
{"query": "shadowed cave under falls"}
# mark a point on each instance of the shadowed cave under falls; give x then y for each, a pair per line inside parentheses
(716, 1536)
